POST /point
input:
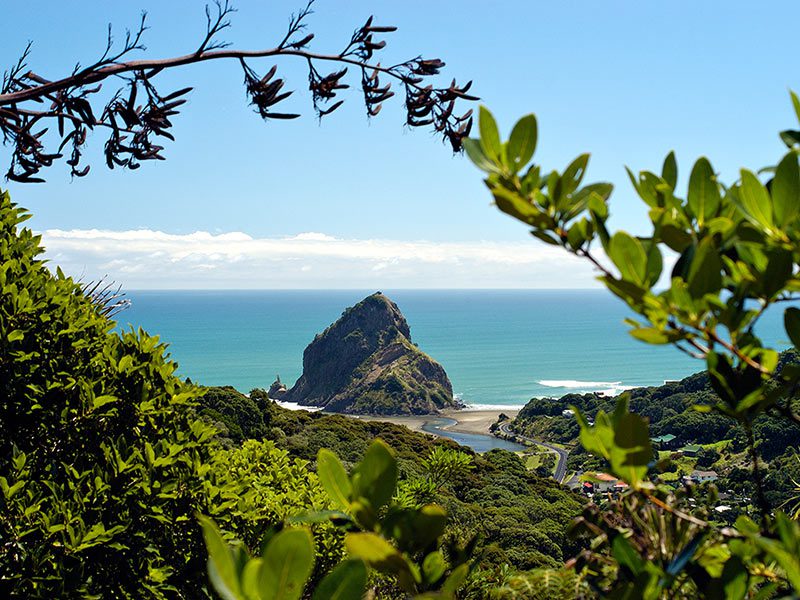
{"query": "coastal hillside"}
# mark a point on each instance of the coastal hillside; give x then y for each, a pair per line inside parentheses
(686, 440)
(366, 363)
(521, 519)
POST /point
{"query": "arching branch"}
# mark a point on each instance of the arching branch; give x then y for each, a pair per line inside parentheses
(139, 117)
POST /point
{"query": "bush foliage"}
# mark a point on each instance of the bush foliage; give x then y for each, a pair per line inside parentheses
(104, 460)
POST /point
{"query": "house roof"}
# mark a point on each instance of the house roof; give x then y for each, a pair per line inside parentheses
(704, 473)
(664, 438)
(605, 477)
(692, 447)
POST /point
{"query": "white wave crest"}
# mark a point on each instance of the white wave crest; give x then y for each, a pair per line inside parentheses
(500, 407)
(574, 383)
(606, 388)
(296, 406)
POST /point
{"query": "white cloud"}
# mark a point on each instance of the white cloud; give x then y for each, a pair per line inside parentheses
(153, 259)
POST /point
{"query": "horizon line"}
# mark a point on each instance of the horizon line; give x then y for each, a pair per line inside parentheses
(363, 289)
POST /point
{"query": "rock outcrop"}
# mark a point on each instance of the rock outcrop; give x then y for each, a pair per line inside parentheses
(365, 363)
(277, 390)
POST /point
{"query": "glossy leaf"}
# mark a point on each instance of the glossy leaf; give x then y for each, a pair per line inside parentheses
(375, 477)
(433, 567)
(522, 143)
(755, 200)
(629, 256)
(347, 581)
(380, 554)
(626, 555)
(455, 580)
(334, 478)
(786, 190)
(287, 564)
(704, 197)
(573, 175)
(221, 567)
(475, 153)
(795, 104)
(705, 270)
(490, 136)
(669, 171)
(791, 321)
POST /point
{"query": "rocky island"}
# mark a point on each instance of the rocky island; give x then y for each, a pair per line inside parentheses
(365, 363)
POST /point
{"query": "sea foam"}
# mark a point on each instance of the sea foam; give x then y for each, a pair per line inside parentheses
(606, 388)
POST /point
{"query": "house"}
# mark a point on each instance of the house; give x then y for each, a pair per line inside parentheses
(603, 482)
(664, 442)
(691, 449)
(703, 476)
(567, 412)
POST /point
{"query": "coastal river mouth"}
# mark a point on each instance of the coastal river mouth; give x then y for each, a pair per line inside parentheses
(477, 441)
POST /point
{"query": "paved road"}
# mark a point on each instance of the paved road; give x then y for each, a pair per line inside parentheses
(561, 465)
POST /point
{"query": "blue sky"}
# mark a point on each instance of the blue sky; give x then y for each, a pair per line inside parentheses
(357, 203)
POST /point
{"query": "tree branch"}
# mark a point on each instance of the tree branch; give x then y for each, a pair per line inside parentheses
(134, 126)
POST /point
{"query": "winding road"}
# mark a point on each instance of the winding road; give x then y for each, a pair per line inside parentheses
(561, 465)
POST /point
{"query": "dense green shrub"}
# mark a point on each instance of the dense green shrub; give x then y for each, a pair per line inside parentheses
(234, 413)
(103, 460)
(257, 486)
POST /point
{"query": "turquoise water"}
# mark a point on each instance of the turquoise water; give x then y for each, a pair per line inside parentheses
(498, 347)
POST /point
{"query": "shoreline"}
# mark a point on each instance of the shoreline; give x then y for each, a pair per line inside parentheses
(466, 421)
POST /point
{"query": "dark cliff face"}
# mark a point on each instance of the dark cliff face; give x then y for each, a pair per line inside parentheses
(365, 363)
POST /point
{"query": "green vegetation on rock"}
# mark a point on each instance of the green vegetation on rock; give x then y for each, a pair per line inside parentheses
(365, 363)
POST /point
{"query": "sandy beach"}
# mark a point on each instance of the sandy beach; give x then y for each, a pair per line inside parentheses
(467, 421)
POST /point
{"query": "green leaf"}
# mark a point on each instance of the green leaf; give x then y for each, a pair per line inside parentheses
(545, 237)
(475, 153)
(455, 580)
(790, 137)
(629, 256)
(705, 270)
(380, 554)
(375, 477)
(795, 104)
(347, 581)
(734, 579)
(221, 567)
(249, 579)
(433, 567)
(704, 197)
(651, 335)
(287, 564)
(791, 320)
(15, 335)
(632, 450)
(522, 143)
(334, 478)
(786, 190)
(669, 172)
(631, 293)
(655, 264)
(490, 136)
(755, 200)
(572, 177)
(101, 401)
(626, 555)
(779, 269)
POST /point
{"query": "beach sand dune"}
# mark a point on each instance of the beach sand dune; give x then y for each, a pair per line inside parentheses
(467, 421)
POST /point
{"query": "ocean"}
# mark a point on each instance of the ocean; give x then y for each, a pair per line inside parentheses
(499, 347)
